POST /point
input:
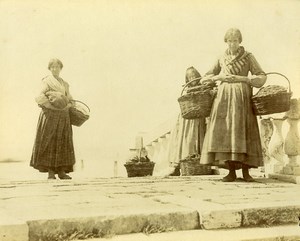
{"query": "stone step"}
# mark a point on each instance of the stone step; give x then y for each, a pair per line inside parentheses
(60, 210)
(277, 233)
(53, 229)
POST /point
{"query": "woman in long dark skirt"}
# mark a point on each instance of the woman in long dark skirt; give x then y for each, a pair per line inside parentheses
(53, 150)
(232, 139)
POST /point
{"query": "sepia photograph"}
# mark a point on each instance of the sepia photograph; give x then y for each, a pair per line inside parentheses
(158, 120)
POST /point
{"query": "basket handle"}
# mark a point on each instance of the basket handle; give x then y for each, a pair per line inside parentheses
(81, 103)
(282, 76)
(188, 83)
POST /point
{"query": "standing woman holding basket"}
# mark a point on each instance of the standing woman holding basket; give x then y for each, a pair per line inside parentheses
(53, 150)
(232, 139)
(187, 135)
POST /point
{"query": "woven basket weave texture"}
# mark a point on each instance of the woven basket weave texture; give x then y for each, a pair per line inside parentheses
(139, 169)
(193, 167)
(196, 104)
(273, 102)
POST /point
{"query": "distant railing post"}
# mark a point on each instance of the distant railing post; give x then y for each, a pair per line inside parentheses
(115, 168)
(266, 131)
(276, 146)
(292, 141)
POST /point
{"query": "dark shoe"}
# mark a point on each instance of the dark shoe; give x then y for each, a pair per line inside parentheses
(228, 179)
(231, 177)
(64, 176)
(248, 178)
(246, 175)
(51, 175)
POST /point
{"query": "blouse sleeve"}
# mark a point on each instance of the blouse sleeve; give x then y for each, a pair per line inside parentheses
(259, 77)
(42, 99)
(69, 96)
(215, 69)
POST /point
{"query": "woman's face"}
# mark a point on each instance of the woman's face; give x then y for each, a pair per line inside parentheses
(191, 74)
(233, 44)
(55, 69)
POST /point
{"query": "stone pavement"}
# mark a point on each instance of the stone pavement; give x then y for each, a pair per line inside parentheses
(107, 207)
(277, 233)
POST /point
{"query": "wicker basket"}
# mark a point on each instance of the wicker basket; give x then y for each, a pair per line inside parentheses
(196, 104)
(139, 169)
(272, 103)
(192, 167)
(79, 113)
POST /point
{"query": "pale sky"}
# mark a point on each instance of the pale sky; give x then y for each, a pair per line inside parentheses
(127, 61)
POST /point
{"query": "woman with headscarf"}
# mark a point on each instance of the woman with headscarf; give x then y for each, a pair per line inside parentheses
(186, 137)
(232, 139)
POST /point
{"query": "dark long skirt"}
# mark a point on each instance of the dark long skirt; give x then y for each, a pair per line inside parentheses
(233, 132)
(53, 148)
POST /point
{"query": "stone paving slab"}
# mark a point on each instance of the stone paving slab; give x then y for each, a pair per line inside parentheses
(287, 178)
(106, 225)
(282, 233)
(129, 205)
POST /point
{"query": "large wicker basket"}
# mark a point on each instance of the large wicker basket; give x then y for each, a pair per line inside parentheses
(79, 113)
(192, 167)
(139, 169)
(196, 104)
(274, 102)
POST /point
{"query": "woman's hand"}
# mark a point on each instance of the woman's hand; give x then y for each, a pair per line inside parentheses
(224, 78)
(243, 79)
(208, 80)
(57, 99)
(230, 78)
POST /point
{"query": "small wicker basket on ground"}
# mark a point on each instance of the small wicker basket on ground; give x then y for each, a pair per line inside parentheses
(198, 103)
(272, 98)
(139, 166)
(190, 166)
(79, 113)
(139, 169)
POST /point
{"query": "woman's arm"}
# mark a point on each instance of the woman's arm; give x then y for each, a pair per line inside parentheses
(209, 76)
(254, 80)
(67, 87)
(43, 100)
(258, 78)
(239, 78)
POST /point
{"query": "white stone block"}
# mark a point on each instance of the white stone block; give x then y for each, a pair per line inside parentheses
(221, 219)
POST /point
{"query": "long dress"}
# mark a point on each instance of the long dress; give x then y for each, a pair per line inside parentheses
(233, 133)
(53, 148)
(186, 139)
